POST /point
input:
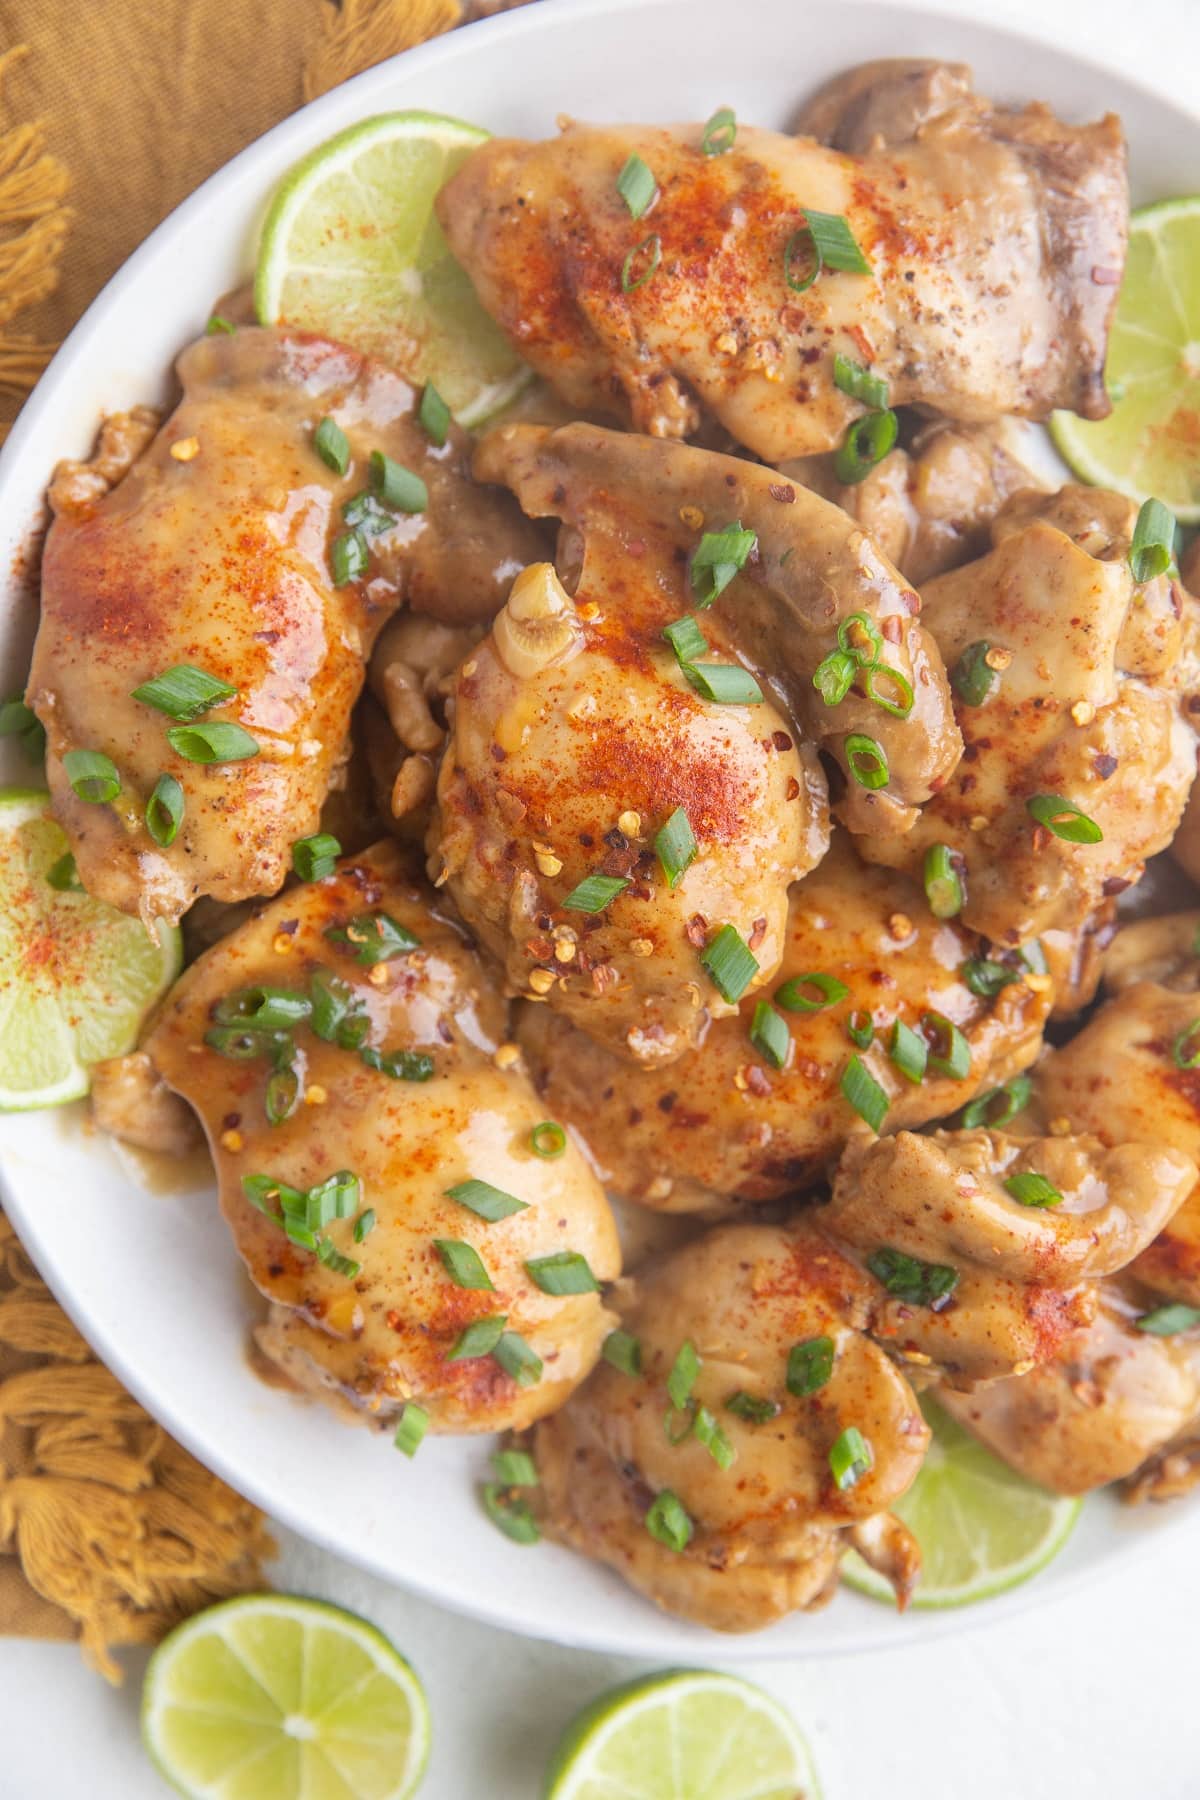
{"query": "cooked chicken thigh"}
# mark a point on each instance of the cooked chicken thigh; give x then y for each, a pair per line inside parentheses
(214, 551)
(811, 589)
(758, 1536)
(722, 1126)
(995, 242)
(984, 1243)
(376, 1062)
(1074, 710)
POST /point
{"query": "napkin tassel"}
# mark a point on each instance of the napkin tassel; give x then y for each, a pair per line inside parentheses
(34, 223)
(360, 33)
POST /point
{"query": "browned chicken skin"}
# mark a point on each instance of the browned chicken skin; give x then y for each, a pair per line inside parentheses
(769, 1530)
(213, 550)
(995, 239)
(385, 1334)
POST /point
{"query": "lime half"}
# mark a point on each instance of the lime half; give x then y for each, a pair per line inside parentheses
(270, 1697)
(687, 1735)
(76, 977)
(352, 248)
(982, 1527)
(1150, 442)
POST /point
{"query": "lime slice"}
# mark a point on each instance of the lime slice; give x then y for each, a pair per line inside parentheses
(351, 248)
(270, 1697)
(76, 977)
(687, 1735)
(982, 1527)
(1148, 444)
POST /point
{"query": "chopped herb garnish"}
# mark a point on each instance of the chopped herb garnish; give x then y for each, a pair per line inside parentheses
(1028, 1188)
(718, 558)
(336, 1197)
(667, 1520)
(676, 847)
(368, 517)
(396, 487)
(1185, 1051)
(793, 998)
(907, 1278)
(463, 1264)
(485, 1201)
(595, 892)
(686, 638)
(364, 1225)
(853, 379)
(264, 1008)
(949, 1051)
(283, 1094)
(637, 186)
(164, 811)
(867, 760)
(338, 1014)
(20, 721)
(400, 1065)
(835, 242)
(985, 978)
(649, 253)
(313, 858)
(349, 557)
(515, 1469)
(479, 1339)
(1000, 1104)
(92, 775)
(908, 1052)
(900, 701)
(333, 1259)
(434, 415)
(730, 963)
(184, 693)
(753, 1407)
(719, 133)
(548, 1139)
(413, 1424)
(860, 1028)
(727, 684)
(243, 1044)
(860, 639)
(63, 876)
(623, 1351)
(865, 444)
(682, 1377)
(809, 1366)
(374, 938)
(565, 1272)
(218, 326)
(511, 1514)
(332, 445)
(850, 1458)
(214, 742)
(1165, 1321)
(518, 1360)
(769, 1035)
(709, 1433)
(943, 884)
(972, 676)
(864, 1093)
(834, 676)
(1153, 543)
(1064, 819)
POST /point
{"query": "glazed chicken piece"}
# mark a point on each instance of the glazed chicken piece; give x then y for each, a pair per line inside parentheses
(988, 1246)
(1113, 1398)
(1126, 1076)
(995, 242)
(376, 1061)
(812, 586)
(762, 1537)
(214, 551)
(1077, 706)
(722, 1127)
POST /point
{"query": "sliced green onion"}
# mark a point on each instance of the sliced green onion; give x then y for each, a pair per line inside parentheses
(92, 775)
(753, 1407)
(719, 133)
(264, 1008)
(1028, 1188)
(1000, 1104)
(865, 444)
(908, 1052)
(707, 1431)
(858, 382)
(261, 1190)
(164, 811)
(333, 1259)
(850, 1458)
(400, 1065)
(972, 678)
(184, 692)
(727, 684)
(515, 1469)
(241, 1043)
(595, 892)
(834, 676)
(364, 1225)
(518, 1360)
(513, 1516)
(1153, 543)
(769, 1035)
(637, 186)
(414, 1423)
(479, 1339)
(676, 847)
(718, 558)
(860, 1028)
(682, 1377)
(799, 241)
(909, 1279)
(943, 886)
(792, 997)
(313, 858)
(20, 721)
(338, 1014)
(332, 445)
(729, 962)
(212, 743)
(369, 518)
(667, 1520)
(283, 1094)
(686, 638)
(218, 325)
(864, 1093)
(648, 251)
(349, 557)
(835, 242)
(63, 876)
(374, 938)
(336, 1197)
(1034, 957)
(565, 1272)
(809, 1366)
(899, 706)
(1185, 1051)
(1165, 1321)
(1064, 819)
(548, 1139)
(485, 1201)
(867, 760)
(949, 1051)
(860, 639)
(463, 1264)
(677, 1426)
(433, 415)
(986, 978)
(623, 1351)
(396, 487)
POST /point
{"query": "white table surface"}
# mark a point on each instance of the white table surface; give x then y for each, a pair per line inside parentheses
(1094, 1696)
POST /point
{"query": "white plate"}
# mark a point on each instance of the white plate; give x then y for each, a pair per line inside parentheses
(152, 1279)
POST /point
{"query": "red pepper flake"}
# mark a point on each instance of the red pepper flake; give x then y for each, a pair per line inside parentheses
(912, 600)
(1115, 884)
(793, 789)
(782, 491)
(697, 930)
(892, 629)
(757, 934)
(757, 1081)
(1041, 837)
(1105, 277)
(1105, 764)
(499, 753)
(781, 740)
